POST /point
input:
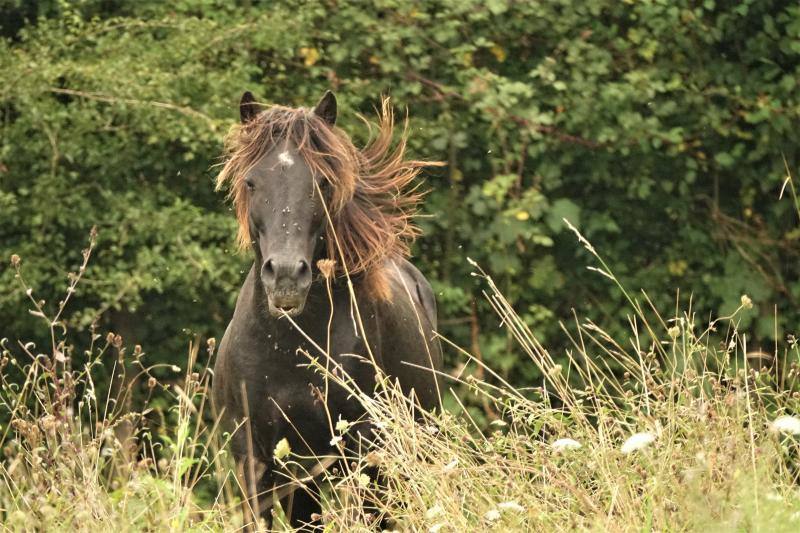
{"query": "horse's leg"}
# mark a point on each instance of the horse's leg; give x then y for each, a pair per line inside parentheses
(301, 505)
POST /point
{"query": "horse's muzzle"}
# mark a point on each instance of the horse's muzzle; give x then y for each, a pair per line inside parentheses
(289, 304)
(286, 283)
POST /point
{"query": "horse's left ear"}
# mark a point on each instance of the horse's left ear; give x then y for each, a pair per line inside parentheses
(326, 108)
(248, 108)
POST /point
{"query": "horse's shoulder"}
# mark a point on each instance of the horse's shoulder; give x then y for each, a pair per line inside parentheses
(406, 280)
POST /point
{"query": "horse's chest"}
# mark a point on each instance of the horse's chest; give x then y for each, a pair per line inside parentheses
(290, 397)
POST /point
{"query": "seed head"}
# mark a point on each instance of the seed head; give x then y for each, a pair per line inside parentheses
(673, 332)
(326, 267)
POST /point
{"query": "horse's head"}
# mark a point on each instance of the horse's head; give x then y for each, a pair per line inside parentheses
(298, 183)
(286, 215)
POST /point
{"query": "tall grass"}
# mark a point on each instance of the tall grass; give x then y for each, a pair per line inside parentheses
(68, 465)
(671, 428)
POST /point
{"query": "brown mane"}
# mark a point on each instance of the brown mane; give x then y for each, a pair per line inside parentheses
(372, 205)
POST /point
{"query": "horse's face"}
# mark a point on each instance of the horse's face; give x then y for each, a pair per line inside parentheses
(287, 220)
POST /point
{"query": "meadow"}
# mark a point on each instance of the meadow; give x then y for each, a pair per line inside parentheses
(675, 427)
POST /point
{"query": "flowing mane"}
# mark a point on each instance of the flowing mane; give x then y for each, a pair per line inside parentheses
(373, 202)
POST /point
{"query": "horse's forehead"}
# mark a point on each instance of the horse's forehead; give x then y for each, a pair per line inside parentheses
(284, 157)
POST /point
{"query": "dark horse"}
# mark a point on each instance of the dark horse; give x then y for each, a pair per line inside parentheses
(318, 212)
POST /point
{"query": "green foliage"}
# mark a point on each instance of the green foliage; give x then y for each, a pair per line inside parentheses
(658, 128)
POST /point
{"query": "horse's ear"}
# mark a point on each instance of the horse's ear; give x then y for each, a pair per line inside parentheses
(326, 108)
(248, 108)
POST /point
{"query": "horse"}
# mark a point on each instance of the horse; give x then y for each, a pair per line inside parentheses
(330, 226)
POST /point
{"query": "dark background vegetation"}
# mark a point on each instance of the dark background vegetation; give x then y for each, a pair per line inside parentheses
(659, 128)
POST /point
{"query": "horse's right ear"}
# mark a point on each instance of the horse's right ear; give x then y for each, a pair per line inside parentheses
(326, 108)
(248, 108)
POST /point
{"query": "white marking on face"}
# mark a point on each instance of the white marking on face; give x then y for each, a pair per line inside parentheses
(285, 159)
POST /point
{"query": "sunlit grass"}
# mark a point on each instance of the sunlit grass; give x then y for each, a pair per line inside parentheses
(668, 429)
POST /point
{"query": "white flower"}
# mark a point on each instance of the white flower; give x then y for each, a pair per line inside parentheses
(499, 422)
(638, 441)
(492, 515)
(433, 512)
(747, 303)
(788, 425)
(363, 480)
(436, 528)
(449, 467)
(563, 445)
(511, 506)
(336, 440)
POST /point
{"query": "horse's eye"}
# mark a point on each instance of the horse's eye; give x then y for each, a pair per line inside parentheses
(249, 184)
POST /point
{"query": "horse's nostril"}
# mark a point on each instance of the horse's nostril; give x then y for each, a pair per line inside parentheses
(268, 268)
(302, 267)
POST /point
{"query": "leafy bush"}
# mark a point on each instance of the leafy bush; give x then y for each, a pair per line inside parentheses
(658, 128)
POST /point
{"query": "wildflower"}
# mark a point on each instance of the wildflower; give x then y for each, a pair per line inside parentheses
(449, 467)
(492, 516)
(511, 506)
(342, 425)
(638, 441)
(436, 528)
(363, 480)
(336, 440)
(563, 445)
(282, 449)
(747, 303)
(15, 260)
(788, 425)
(176, 368)
(673, 332)
(555, 371)
(433, 512)
(499, 422)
